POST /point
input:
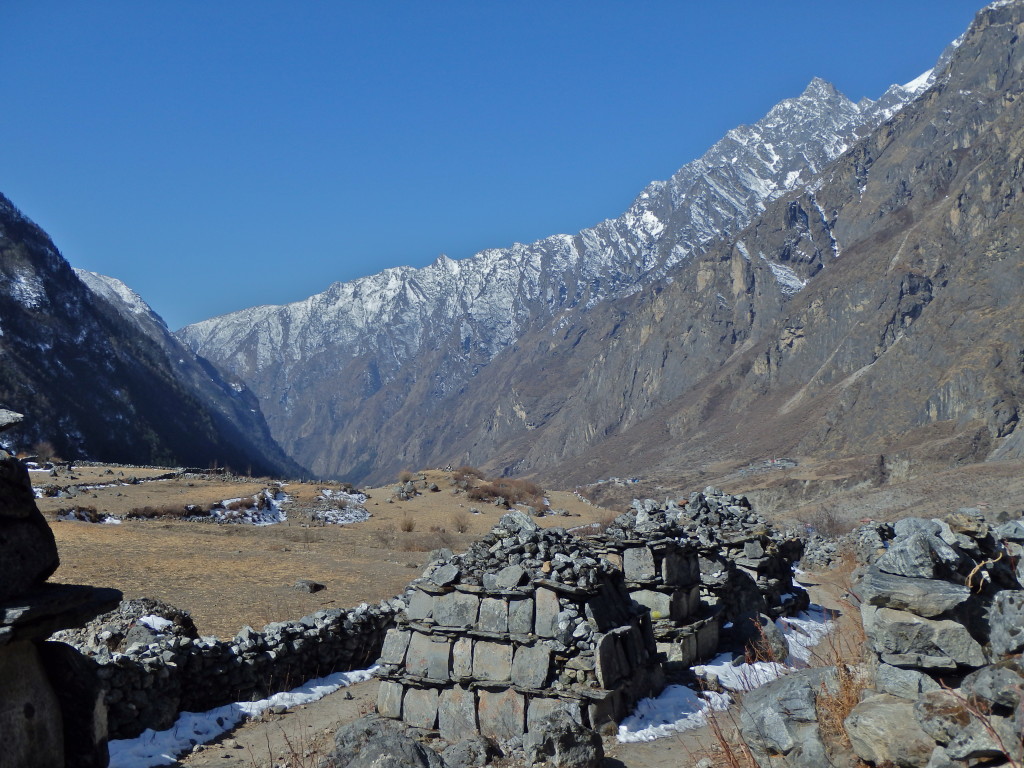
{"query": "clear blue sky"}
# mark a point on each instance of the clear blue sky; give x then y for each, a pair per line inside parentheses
(217, 155)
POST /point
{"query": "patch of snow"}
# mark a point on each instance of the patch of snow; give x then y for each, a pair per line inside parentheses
(77, 515)
(788, 280)
(153, 748)
(919, 83)
(679, 708)
(156, 623)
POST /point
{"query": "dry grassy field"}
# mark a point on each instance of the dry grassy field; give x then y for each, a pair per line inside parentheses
(230, 575)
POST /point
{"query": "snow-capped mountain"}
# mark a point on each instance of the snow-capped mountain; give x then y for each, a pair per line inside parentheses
(98, 374)
(414, 336)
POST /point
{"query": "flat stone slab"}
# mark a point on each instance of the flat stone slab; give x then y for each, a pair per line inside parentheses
(456, 714)
(419, 707)
(530, 666)
(545, 622)
(492, 661)
(389, 699)
(396, 643)
(502, 714)
(493, 615)
(638, 564)
(456, 609)
(520, 616)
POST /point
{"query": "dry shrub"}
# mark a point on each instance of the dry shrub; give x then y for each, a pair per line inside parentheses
(405, 476)
(166, 511)
(86, 514)
(607, 519)
(514, 491)
(385, 537)
(407, 524)
(460, 521)
(45, 451)
(827, 521)
(236, 506)
(467, 473)
(834, 707)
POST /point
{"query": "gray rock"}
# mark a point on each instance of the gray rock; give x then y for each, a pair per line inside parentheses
(517, 522)
(374, 742)
(561, 742)
(456, 713)
(492, 661)
(905, 683)
(445, 575)
(502, 714)
(942, 715)
(1006, 622)
(919, 555)
(493, 615)
(904, 639)
(884, 730)
(780, 718)
(419, 707)
(308, 585)
(473, 752)
(9, 419)
(456, 609)
(1000, 684)
(925, 597)
(530, 666)
(510, 577)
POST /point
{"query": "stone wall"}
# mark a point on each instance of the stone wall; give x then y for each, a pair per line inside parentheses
(526, 623)
(161, 672)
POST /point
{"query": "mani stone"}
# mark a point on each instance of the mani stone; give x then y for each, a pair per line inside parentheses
(502, 714)
(638, 564)
(462, 658)
(389, 699)
(520, 616)
(419, 708)
(456, 609)
(456, 714)
(493, 615)
(546, 612)
(492, 661)
(28, 551)
(530, 666)
(396, 642)
(427, 657)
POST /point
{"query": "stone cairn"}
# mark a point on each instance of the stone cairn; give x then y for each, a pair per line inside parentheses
(50, 708)
(528, 622)
(695, 566)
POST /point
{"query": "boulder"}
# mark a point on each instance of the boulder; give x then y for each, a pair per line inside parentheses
(561, 742)
(374, 742)
(883, 729)
(1006, 622)
(906, 640)
(925, 597)
(473, 752)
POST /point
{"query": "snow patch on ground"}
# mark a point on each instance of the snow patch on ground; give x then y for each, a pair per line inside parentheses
(680, 708)
(153, 748)
(156, 623)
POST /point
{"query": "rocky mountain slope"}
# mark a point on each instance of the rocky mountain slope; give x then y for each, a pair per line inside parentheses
(375, 374)
(99, 375)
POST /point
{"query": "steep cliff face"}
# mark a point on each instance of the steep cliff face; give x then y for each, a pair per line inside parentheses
(875, 311)
(381, 372)
(99, 376)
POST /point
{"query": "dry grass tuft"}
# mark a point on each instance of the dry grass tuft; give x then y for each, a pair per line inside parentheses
(460, 521)
(407, 524)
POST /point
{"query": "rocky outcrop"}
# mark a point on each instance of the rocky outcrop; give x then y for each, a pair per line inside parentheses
(101, 380)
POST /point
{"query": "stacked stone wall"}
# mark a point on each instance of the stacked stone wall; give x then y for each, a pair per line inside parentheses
(151, 682)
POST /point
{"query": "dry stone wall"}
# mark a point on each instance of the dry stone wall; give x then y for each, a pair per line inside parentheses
(151, 675)
(526, 623)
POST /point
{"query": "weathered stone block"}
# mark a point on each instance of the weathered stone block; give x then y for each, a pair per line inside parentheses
(898, 635)
(462, 658)
(30, 718)
(611, 664)
(456, 609)
(679, 568)
(884, 729)
(396, 643)
(530, 666)
(492, 661)
(540, 708)
(419, 707)
(658, 603)
(493, 615)
(520, 616)
(510, 577)
(502, 714)
(389, 699)
(456, 714)
(428, 657)
(421, 605)
(545, 622)
(638, 564)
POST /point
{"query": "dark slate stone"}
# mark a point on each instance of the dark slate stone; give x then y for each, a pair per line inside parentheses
(1006, 622)
(389, 699)
(546, 612)
(510, 577)
(530, 666)
(473, 752)
(493, 615)
(492, 661)
(562, 742)
(456, 609)
(502, 714)
(419, 707)
(445, 575)
(520, 616)
(884, 731)
(456, 714)
(396, 642)
(28, 551)
(638, 564)
(361, 743)
(462, 658)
